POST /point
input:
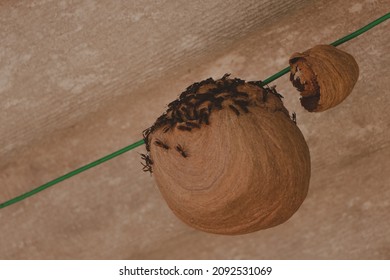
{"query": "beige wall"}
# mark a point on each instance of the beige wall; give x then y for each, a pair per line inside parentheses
(81, 80)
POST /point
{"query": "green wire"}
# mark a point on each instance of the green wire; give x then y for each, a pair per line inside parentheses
(335, 44)
(141, 142)
(276, 76)
(72, 173)
(361, 30)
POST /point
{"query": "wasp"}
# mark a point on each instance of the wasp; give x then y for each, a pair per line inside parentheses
(180, 149)
(238, 81)
(186, 113)
(218, 102)
(183, 127)
(265, 95)
(191, 124)
(234, 109)
(242, 104)
(146, 132)
(240, 94)
(195, 112)
(145, 135)
(273, 90)
(173, 104)
(166, 128)
(147, 159)
(225, 76)
(159, 143)
(256, 83)
(147, 166)
(204, 97)
(204, 118)
(294, 117)
(177, 116)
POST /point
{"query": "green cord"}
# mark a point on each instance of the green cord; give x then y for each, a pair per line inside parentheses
(276, 76)
(335, 44)
(141, 142)
(361, 30)
(72, 173)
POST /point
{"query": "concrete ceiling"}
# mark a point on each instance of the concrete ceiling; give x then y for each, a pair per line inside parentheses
(79, 80)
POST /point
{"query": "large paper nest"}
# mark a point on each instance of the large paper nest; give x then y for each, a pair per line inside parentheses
(228, 158)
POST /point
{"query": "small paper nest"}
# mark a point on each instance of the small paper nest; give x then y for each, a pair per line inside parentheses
(227, 157)
(324, 75)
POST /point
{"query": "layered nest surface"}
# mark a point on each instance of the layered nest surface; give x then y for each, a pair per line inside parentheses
(228, 158)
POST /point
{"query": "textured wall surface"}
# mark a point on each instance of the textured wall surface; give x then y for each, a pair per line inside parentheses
(81, 79)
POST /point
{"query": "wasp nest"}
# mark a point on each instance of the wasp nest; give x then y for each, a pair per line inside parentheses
(228, 158)
(324, 75)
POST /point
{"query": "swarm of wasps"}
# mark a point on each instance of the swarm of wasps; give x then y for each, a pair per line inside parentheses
(194, 106)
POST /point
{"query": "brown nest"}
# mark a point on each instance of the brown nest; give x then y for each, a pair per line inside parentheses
(228, 158)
